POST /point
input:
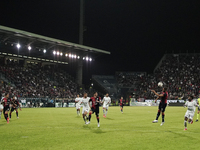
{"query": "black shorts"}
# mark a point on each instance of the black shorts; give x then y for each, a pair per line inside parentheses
(12, 109)
(6, 108)
(121, 106)
(96, 110)
(162, 107)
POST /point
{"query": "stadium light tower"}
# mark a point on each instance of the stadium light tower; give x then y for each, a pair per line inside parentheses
(79, 72)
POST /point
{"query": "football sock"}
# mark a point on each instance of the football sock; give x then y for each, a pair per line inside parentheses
(6, 116)
(84, 118)
(98, 119)
(90, 117)
(103, 111)
(185, 124)
(158, 114)
(106, 112)
(163, 117)
(121, 109)
(17, 113)
(197, 116)
(77, 112)
(0, 113)
(10, 114)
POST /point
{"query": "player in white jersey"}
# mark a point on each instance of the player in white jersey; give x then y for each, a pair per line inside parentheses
(85, 102)
(78, 104)
(190, 104)
(106, 101)
(1, 107)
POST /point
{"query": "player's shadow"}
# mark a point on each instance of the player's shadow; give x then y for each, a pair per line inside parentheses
(98, 131)
(109, 118)
(2, 124)
(13, 120)
(86, 127)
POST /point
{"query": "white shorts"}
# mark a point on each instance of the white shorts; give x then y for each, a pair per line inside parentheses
(1, 107)
(78, 106)
(189, 114)
(85, 110)
(106, 106)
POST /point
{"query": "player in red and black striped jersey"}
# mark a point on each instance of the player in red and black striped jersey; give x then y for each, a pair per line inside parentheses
(121, 104)
(14, 106)
(94, 103)
(6, 108)
(163, 104)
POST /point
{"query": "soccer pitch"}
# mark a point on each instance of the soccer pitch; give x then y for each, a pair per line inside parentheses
(61, 128)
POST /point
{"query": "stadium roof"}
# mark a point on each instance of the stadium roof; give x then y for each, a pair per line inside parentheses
(14, 36)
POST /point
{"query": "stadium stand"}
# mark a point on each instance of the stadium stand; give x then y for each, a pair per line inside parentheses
(108, 83)
(35, 80)
(179, 73)
(129, 79)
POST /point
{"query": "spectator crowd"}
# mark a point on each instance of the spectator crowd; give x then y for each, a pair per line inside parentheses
(180, 73)
(33, 80)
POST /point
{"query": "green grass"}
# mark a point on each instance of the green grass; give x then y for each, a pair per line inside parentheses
(60, 128)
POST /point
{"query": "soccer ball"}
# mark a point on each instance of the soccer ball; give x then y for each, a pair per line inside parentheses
(160, 84)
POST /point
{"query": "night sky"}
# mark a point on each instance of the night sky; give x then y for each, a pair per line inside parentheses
(136, 32)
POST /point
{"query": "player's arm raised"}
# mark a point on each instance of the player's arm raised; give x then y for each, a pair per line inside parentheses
(160, 95)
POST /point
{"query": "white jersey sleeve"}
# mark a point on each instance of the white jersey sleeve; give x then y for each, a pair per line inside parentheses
(186, 103)
(78, 100)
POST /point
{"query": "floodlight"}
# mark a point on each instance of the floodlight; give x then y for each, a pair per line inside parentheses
(58, 53)
(44, 51)
(29, 48)
(61, 54)
(54, 52)
(18, 45)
